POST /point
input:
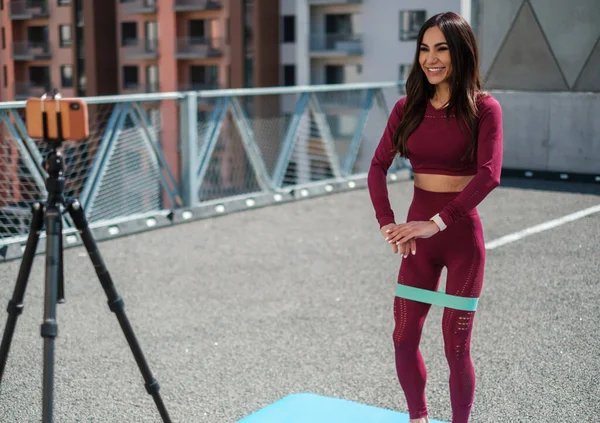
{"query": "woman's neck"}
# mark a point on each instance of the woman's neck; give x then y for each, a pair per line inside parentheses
(441, 97)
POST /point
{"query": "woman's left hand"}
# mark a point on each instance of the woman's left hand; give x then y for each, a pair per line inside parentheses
(416, 229)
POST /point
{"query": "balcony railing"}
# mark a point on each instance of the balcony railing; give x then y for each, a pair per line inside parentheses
(334, 2)
(24, 90)
(199, 86)
(338, 44)
(28, 9)
(141, 49)
(31, 50)
(193, 5)
(139, 6)
(199, 47)
(152, 86)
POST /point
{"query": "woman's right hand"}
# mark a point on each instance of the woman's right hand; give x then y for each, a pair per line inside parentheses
(405, 248)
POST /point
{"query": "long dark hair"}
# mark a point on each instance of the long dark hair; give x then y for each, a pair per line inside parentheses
(464, 81)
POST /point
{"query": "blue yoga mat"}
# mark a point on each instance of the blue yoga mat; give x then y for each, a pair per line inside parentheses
(312, 408)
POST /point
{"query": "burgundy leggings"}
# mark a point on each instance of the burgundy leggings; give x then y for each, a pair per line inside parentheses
(460, 248)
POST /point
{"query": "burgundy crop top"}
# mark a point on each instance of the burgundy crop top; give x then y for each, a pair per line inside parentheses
(436, 147)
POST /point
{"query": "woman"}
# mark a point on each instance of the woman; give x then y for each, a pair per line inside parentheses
(452, 134)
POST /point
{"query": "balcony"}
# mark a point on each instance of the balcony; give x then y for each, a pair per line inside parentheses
(31, 50)
(28, 9)
(200, 47)
(333, 2)
(140, 49)
(196, 5)
(24, 90)
(199, 86)
(152, 86)
(139, 6)
(325, 45)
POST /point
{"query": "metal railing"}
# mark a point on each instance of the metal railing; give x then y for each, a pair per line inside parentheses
(24, 90)
(139, 6)
(199, 86)
(153, 160)
(334, 2)
(28, 9)
(30, 50)
(141, 48)
(193, 5)
(349, 44)
(199, 47)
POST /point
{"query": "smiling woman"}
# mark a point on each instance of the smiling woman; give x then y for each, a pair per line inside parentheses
(451, 132)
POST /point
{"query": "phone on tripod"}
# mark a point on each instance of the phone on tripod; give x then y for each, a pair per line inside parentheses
(69, 115)
(55, 120)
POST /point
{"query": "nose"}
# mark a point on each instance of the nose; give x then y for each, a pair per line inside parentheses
(431, 58)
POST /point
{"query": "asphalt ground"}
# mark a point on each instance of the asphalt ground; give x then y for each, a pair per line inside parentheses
(235, 312)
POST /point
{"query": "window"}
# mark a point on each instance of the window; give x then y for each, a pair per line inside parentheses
(151, 35)
(66, 76)
(37, 35)
(197, 30)
(129, 33)
(411, 22)
(130, 77)
(249, 75)
(338, 24)
(202, 77)
(39, 76)
(289, 29)
(64, 2)
(3, 39)
(5, 76)
(334, 74)
(151, 30)
(66, 39)
(289, 75)
(403, 71)
(152, 78)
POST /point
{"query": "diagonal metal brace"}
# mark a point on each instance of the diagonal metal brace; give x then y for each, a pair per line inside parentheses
(328, 142)
(211, 138)
(140, 119)
(287, 147)
(356, 141)
(251, 147)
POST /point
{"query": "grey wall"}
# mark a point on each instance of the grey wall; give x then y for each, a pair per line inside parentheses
(541, 60)
(551, 131)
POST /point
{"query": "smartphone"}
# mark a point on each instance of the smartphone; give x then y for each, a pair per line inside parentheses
(73, 114)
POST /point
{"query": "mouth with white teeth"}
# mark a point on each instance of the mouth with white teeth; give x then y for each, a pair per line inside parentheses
(435, 71)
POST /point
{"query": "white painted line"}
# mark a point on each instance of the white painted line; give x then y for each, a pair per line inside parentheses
(507, 239)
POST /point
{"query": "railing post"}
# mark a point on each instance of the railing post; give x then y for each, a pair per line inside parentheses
(188, 140)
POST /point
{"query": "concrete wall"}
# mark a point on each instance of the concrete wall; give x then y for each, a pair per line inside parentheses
(553, 131)
(541, 59)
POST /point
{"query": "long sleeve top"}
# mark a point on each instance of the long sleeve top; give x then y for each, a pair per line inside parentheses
(436, 147)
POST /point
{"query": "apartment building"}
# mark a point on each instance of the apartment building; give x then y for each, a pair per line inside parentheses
(104, 47)
(132, 46)
(344, 41)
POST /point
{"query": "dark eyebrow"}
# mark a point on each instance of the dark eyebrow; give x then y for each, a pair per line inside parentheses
(437, 45)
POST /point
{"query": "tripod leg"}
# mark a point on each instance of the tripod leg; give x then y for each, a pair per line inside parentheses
(15, 305)
(116, 305)
(49, 328)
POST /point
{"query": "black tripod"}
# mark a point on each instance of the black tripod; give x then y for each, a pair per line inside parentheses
(54, 285)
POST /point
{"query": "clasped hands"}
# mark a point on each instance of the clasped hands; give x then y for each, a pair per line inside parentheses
(403, 237)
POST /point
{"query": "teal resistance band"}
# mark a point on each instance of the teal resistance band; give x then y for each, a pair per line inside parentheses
(436, 298)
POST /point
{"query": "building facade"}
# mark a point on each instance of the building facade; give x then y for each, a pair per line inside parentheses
(103, 47)
(344, 41)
